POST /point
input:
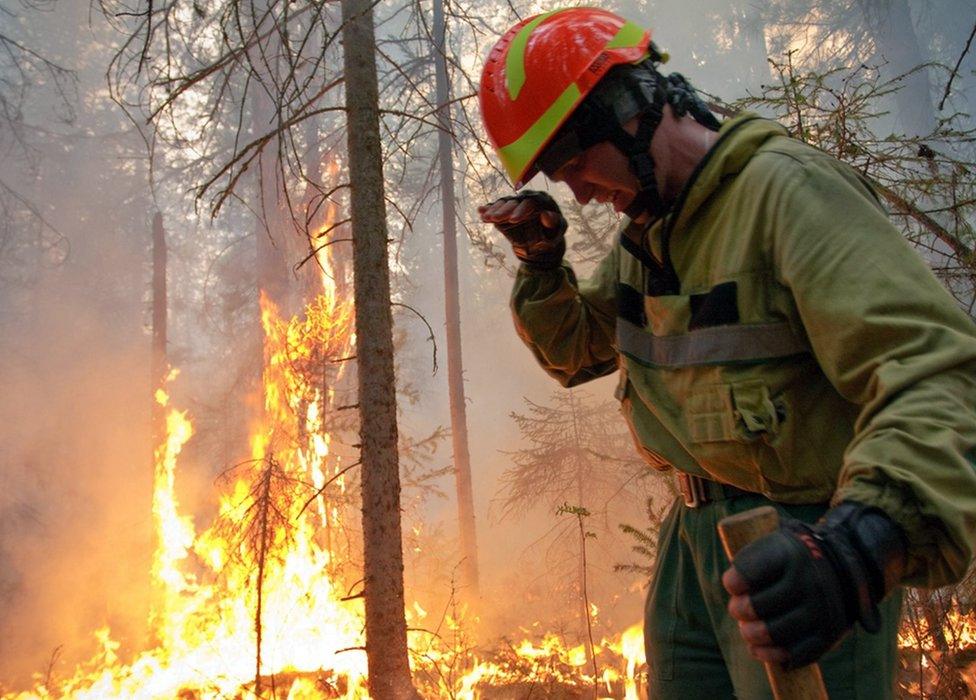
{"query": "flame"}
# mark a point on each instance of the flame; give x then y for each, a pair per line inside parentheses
(208, 584)
(958, 630)
(933, 660)
(632, 649)
(549, 662)
(322, 254)
(174, 532)
(267, 565)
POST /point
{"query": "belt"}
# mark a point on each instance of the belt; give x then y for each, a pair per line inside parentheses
(697, 491)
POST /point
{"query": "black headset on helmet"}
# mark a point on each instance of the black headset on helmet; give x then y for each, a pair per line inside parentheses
(626, 92)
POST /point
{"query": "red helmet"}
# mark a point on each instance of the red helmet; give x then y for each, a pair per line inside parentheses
(541, 69)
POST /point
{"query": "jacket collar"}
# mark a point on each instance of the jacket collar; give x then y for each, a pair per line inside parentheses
(738, 140)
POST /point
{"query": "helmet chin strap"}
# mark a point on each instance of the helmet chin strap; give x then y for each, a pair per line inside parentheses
(650, 91)
(638, 151)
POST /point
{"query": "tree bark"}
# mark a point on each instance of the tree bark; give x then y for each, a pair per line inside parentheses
(386, 636)
(452, 302)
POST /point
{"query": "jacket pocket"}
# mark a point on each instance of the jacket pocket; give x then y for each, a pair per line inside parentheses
(734, 431)
(742, 412)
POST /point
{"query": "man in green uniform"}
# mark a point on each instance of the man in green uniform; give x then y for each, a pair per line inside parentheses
(777, 342)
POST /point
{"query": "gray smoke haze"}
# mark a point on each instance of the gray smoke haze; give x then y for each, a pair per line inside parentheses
(75, 447)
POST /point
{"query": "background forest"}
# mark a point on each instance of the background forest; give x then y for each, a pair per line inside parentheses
(175, 194)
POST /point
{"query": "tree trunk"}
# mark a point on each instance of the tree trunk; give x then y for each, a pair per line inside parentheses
(158, 364)
(750, 45)
(579, 452)
(890, 23)
(271, 228)
(455, 372)
(386, 634)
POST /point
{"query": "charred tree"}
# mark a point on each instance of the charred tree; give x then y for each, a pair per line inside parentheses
(261, 533)
(452, 302)
(386, 630)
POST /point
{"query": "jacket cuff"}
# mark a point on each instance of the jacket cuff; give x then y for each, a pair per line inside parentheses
(534, 269)
(922, 546)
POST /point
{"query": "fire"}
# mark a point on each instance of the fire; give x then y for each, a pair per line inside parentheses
(548, 663)
(175, 532)
(937, 642)
(261, 570)
(253, 604)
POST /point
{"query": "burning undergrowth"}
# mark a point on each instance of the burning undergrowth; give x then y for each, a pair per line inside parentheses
(937, 644)
(264, 602)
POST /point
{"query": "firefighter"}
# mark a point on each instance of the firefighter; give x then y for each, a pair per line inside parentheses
(776, 340)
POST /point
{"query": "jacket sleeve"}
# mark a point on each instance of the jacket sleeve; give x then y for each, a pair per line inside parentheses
(568, 325)
(892, 341)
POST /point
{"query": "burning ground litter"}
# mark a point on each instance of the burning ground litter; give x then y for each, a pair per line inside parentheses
(262, 601)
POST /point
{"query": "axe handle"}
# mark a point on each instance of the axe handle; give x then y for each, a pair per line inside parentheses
(736, 531)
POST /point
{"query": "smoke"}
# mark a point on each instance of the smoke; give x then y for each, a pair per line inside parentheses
(75, 473)
(75, 446)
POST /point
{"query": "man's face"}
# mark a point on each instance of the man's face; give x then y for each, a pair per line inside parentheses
(600, 173)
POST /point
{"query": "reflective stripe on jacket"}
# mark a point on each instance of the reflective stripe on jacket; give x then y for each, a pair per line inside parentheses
(777, 333)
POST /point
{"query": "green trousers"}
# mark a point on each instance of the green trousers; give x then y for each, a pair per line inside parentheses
(694, 649)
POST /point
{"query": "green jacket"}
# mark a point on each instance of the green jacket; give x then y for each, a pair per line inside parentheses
(777, 333)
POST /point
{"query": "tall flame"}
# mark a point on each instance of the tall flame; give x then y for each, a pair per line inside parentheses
(252, 605)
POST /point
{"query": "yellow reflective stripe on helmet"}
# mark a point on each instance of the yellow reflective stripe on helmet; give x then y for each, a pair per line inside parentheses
(518, 155)
(629, 35)
(515, 59)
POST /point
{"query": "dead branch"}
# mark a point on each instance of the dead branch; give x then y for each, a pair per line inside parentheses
(324, 486)
(903, 206)
(955, 70)
(430, 330)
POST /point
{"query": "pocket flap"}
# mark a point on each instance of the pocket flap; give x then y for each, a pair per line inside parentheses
(741, 411)
(755, 407)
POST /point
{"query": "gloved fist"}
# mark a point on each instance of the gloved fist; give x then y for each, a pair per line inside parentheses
(533, 224)
(798, 591)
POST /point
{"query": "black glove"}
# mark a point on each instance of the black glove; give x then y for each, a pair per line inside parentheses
(810, 584)
(535, 244)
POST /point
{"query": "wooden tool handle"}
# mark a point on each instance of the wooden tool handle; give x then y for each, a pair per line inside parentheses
(736, 531)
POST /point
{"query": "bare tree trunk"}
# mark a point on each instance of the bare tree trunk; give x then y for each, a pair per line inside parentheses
(890, 22)
(264, 505)
(386, 633)
(158, 362)
(580, 493)
(271, 228)
(455, 371)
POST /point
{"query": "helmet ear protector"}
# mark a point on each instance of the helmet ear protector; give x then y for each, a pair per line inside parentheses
(625, 93)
